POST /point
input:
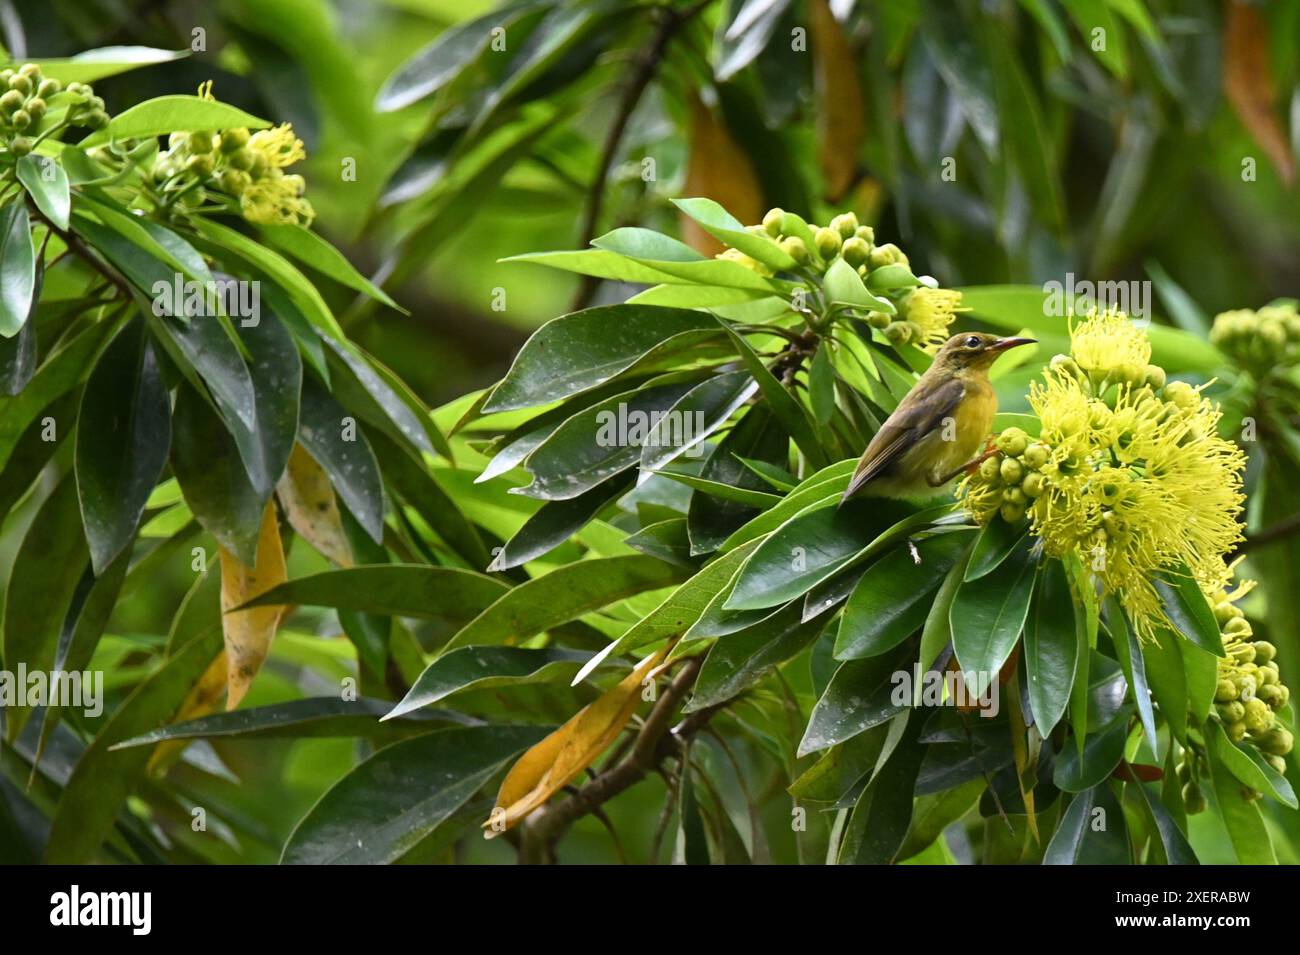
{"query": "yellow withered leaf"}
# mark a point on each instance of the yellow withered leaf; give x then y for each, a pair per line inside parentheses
(1249, 86)
(719, 170)
(308, 500)
(841, 107)
(248, 633)
(201, 700)
(549, 766)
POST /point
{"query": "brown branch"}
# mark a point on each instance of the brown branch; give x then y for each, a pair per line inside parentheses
(647, 65)
(1269, 535)
(83, 252)
(656, 742)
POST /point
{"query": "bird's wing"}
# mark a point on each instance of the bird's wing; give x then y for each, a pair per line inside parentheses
(920, 411)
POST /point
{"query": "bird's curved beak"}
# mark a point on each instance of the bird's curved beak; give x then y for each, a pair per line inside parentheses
(1002, 344)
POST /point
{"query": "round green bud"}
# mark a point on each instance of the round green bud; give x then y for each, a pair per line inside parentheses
(21, 119)
(1264, 651)
(887, 254)
(1271, 694)
(78, 89)
(21, 84)
(201, 166)
(20, 146)
(1036, 455)
(1193, 799)
(1259, 717)
(1011, 512)
(242, 159)
(792, 244)
(49, 87)
(1239, 626)
(200, 143)
(1155, 377)
(97, 102)
(1181, 394)
(1232, 712)
(1013, 495)
(260, 167)
(845, 224)
(1225, 691)
(867, 234)
(1066, 364)
(97, 119)
(1012, 470)
(756, 229)
(855, 251)
(1244, 653)
(1012, 441)
(235, 181)
(879, 319)
(828, 243)
(1276, 742)
(1236, 731)
(1277, 762)
(11, 101)
(36, 108)
(772, 222)
(32, 71)
(1225, 610)
(4, 77)
(1184, 773)
(1033, 484)
(863, 272)
(1246, 686)
(991, 470)
(1286, 693)
(237, 138)
(1267, 676)
(898, 333)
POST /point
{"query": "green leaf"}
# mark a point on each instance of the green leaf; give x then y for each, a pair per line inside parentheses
(335, 440)
(1174, 847)
(739, 660)
(575, 352)
(17, 268)
(821, 488)
(446, 594)
(1129, 650)
(92, 65)
(724, 227)
(173, 113)
(844, 286)
(883, 814)
(1051, 648)
(308, 247)
(964, 69)
(695, 416)
(754, 441)
(1091, 16)
(811, 547)
(1092, 831)
(997, 539)
(988, 614)
(1189, 611)
(1163, 663)
(604, 264)
(565, 594)
(386, 401)
(1246, 764)
(891, 277)
(275, 372)
(556, 521)
(315, 717)
(725, 492)
(892, 600)
(481, 668)
(821, 385)
(103, 777)
(1102, 752)
(860, 695)
(397, 797)
(1243, 819)
(123, 434)
(47, 184)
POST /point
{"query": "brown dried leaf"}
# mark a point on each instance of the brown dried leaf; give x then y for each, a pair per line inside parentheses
(1248, 83)
(719, 170)
(308, 500)
(841, 107)
(248, 633)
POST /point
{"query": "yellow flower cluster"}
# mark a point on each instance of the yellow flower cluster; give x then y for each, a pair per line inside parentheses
(1137, 481)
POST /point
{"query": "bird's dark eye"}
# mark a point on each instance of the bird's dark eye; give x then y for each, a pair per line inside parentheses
(973, 342)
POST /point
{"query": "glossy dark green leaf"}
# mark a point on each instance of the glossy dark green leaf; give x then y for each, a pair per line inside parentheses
(557, 521)
(821, 488)
(738, 661)
(747, 35)
(861, 694)
(18, 354)
(398, 796)
(756, 437)
(1051, 648)
(1129, 650)
(893, 598)
(839, 769)
(746, 497)
(1102, 752)
(997, 539)
(1242, 817)
(724, 227)
(123, 434)
(565, 594)
(207, 355)
(17, 268)
(481, 668)
(1092, 831)
(47, 184)
(964, 69)
(821, 386)
(392, 405)
(695, 416)
(1165, 671)
(104, 778)
(447, 594)
(337, 443)
(666, 540)
(1189, 611)
(575, 352)
(1174, 849)
(1248, 766)
(308, 247)
(883, 814)
(315, 717)
(812, 547)
(988, 614)
(275, 369)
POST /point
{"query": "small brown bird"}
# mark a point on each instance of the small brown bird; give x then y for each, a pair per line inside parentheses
(940, 425)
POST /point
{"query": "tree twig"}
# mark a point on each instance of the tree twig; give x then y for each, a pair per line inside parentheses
(1283, 528)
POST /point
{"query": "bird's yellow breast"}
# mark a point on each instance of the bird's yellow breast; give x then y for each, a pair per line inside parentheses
(951, 445)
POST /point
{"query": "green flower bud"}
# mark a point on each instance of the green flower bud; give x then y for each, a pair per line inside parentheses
(1012, 470)
(1184, 773)
(4, 77)
(1012, 513)
(235, 181)
(793, 245)
(48, 88)
(97, 119)
(1277, 762)
(21, 84)
(1271, 694)
(879, 319)
(201, 166)
(1232, 712)
(1236, 731)
(1244, 653)
(1066, 364)
(1225, 691)
(887, 254)
(1035, 455)
(1193, 799)
(21, 146)
(1241, 627)
(1012, 441)
(756, 229)
(36, 108)
(867, 234)
(855, 251)
(1224, 611)
(234, 139)
(1246, 686)
(1286, 693)
(1259, 717)
(1034, 484)
(898, 333)
(1267, 676)
(1181, 394)
(845, 224)
(991, 470)
(1264, 651)
(1014, 495)
(21, 119)
(78, 89)
(11, 101)
(259, 168)
(1155, 377)
(828, 243)
(1276, 742)
(32, 71)
(242, 159)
